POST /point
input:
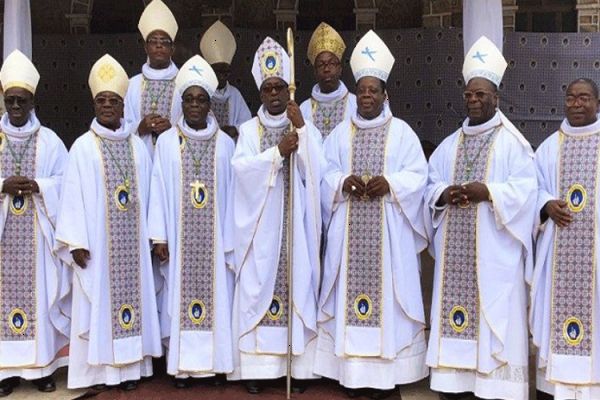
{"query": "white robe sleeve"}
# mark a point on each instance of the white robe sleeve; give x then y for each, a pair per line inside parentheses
(255, 174)
(407, 182)
(157, 209)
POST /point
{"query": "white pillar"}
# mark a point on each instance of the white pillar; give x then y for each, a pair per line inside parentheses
(17, 27)
(482, 18)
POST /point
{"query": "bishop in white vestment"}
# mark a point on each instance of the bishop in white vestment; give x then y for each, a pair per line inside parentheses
(227, 103)
(34, 285)
(480, 193)
(263, 193)
(371, 318)
(151, 104)
(330, 101)
(190, 198)
(564, 284)
(102, 234)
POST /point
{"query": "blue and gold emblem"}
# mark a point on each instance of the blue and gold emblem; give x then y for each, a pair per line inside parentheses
(181, 141)
(275, 310)
(576, 197)
(197, 311)
(2, 141)
(198, 194)
(363, 307)
(18, 204)
(17, 321)
(126, 316)
(459, 319)
(573, 331)
(270, 62)
(122, 197)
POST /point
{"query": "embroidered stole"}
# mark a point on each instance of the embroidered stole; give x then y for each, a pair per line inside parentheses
(574, 266)
(277, 314)
(221, 111)
(123, 237)
(365, 230)
(157, 96)
(459, 313)
(18, 249)
(327, 116)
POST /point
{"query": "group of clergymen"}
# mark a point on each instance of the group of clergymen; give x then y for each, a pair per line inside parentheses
(174, 228)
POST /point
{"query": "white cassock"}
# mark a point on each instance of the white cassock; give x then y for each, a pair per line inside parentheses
(261, 188)
(37, 312)
(229, 106)
(115, 329)
(152, 92)
(564, 282)
(327, 110)
(371, 318)
(198, 283)
(478, 341)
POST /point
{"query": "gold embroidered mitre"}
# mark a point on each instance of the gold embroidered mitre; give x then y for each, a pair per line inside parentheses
(325, 38)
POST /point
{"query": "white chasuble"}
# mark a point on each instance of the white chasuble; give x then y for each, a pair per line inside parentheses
(371, 318)
(478, 341)
(115, 326)
(327, 110)
(262, 217)
(34, 322)
(229, 107)
(190, 193)
(152, 92)
(564, 295)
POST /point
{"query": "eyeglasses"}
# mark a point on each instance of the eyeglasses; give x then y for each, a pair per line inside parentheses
(165, 42)
(192, 100)
(21, 101)
(330, 63)
(571, 100)
(269, 88)
(478, 95)
(112, 101)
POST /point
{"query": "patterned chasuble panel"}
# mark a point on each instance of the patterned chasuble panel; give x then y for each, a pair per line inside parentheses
(327, 116)
(123, 219)
(460, 289)
(221, 111)
(157, 96)
(574, 272)
(18, 249)
(197, 225)
(277, 314)
(365, 233)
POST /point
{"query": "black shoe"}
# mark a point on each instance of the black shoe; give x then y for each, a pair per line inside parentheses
(253, 386)
(7, 385)
(45, 384)
(378, 394)
(219, 380)
(352, 393)
(299, 386)
(539, 395)
(455, 396)
(180, 383)
(128, 385)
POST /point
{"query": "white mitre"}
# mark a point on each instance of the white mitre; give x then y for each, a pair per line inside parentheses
(196, 72)
(157, 16)
(218, 44)
(484, 60)
(371, 57)
(107, 75)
